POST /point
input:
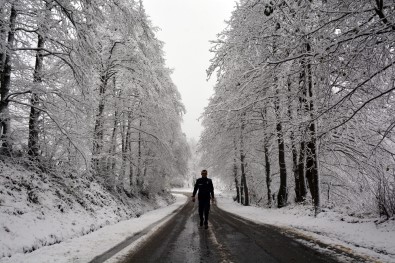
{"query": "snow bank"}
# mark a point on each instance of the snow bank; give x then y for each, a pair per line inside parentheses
(38, 210)
(86, 248)
(367, 237)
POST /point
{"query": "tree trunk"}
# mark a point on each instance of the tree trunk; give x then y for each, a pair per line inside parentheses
(122, 171)
(295, 166)
(282, 196)
(128, 150)
(244, 186)
(312, 167)
(235, 173)
(241, 193)
(311, 147)
(237, 190)
(33, 145)
(5, 87)
(112, 152)
(267, 160)
(268, 177)
(300, 194)
(113, 143)
(301, 171)
(3, 40)
(145, 168)
(138, 174)
(303, 110)
(113, 146)
(99, 123)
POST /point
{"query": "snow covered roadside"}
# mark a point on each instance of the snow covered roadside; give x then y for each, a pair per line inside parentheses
(86, 248)
(363, 236)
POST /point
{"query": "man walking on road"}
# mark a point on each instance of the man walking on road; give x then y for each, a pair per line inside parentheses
(206, 192)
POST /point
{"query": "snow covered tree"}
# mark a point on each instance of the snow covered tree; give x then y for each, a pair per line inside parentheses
(84, 88)
(308, 71)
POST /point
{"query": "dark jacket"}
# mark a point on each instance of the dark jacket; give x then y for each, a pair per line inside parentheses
(205, 187)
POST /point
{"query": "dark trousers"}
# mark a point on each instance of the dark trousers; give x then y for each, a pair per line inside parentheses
(204, 208)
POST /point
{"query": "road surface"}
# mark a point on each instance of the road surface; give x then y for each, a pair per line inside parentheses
(228, 239)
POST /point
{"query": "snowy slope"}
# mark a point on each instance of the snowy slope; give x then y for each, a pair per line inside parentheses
(86, 248)
(38, 210)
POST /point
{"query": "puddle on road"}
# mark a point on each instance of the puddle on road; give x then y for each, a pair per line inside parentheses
(193, 244)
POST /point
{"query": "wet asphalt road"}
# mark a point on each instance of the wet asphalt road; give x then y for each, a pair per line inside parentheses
(228, 239)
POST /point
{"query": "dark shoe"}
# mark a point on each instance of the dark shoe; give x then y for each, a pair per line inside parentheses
(205, 226)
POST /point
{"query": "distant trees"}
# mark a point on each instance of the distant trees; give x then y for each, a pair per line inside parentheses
(84, 86)
(313, 83)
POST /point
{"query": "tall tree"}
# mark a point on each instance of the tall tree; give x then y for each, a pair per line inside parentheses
(33, 144)
(6, 84)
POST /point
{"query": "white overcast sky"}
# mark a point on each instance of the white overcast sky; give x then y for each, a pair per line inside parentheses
(186, 27)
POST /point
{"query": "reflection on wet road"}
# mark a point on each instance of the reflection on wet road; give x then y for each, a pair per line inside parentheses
(228, 239)
(180, 240)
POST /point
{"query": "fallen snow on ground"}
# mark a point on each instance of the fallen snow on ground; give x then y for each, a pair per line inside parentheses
(364, 236)
(42, 209)
(86, 248)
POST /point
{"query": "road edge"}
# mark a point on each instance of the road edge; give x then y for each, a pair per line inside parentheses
(132, 243)
(306, 236)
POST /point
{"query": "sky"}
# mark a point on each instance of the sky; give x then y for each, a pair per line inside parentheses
(186, 27)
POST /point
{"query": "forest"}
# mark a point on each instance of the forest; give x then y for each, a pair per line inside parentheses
(302, 116)
(303, 109)
(85, 92)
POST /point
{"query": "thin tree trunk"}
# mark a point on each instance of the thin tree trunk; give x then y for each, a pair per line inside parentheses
(237, 189)
(138, 174)
(244, 186)
(3, 40)
(311, 158)
(295, 166)
(113, 146)
(5, 86)
(301, 170)
(145, 169)
(303, 110)
(123, 147)
(128, 150)
(112, 163)
(267, 160)
(235, 173)
(282, 196)
(299, 193)
(113, 143)
(98, 130)
(241, 193)
(131, 172)
(268, 176)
